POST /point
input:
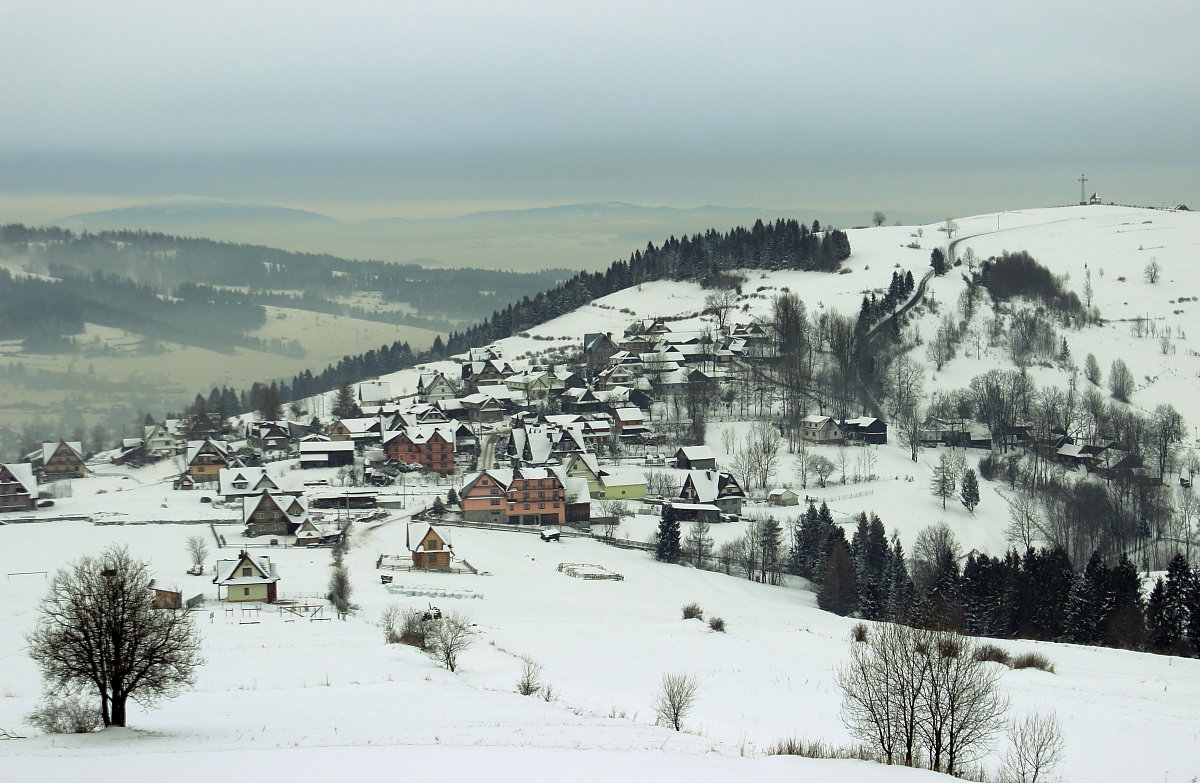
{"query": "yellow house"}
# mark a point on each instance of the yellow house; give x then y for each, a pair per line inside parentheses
(621, 486)
(247, 578)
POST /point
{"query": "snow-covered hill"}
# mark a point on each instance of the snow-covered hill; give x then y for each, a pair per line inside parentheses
(314, 700)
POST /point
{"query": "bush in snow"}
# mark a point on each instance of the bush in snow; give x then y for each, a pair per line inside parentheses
(693, 612)
(68, 715)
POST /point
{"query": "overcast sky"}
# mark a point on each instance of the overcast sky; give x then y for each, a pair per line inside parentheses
(374, 108)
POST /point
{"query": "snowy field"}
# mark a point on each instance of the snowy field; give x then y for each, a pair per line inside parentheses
(335, 697)
(322, 689)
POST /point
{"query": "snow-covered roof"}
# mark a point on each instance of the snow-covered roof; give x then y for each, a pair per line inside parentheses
(697, 452)
(263, 571)
(23, 473)
(48, 449)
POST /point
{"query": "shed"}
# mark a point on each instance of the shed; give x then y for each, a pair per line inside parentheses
(783, 497)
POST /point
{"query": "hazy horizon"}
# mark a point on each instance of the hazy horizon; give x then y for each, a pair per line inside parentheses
(371, 110)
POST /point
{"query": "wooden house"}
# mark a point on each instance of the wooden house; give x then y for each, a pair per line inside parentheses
(359, 430)
(432, 446)
(166, 595)
(865, 429)
(247, 578)
(18, 487)
(696, 458)
(269, 435)
(205, 459)
(233, 483)
(598, 347)
(61, 460)
(718, 488)
(429, 546)
(433, 387)
(326, 454)
(783, 497)
(272, 514)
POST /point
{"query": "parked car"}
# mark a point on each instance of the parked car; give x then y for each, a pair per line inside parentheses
(45, 503)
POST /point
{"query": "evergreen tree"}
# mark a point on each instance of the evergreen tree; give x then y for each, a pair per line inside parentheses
(1087, 603)
(1159, 633)
(345, 406)
(1125, 625)
(1179, 585)
(668, 549)
(900, 584)
(452, 497)
(937, 259)
(969, 494)
(942, 483)
(839, 593)
(870, 552)
(769, 532)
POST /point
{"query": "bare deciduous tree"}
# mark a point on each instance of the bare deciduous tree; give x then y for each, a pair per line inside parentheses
(448, 638)
(822, 467)
(97, 630)
(1035, 748)
(675, 699)
(197, 549)
(913, 693)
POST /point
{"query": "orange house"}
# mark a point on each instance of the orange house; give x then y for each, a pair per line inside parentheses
(428, 546)
(526, 496)
(424, 445)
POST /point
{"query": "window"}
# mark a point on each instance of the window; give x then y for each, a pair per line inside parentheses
(495, 501)
(245, 591)
(526, 506)
(541, 505)
(246, 572)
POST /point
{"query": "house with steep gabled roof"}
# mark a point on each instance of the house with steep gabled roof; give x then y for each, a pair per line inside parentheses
(273, 514)
(430, 546)
(373, 392)
(242, 482)
(205, 459)
(247, 578)
(18, 487)
(820, 429)
(695, 458)
(432, 446)
(59, 460)
(718, 488)
(865, 429)
(358, 430)
(435, 386)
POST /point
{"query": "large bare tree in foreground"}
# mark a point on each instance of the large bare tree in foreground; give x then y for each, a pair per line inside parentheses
(97, 631)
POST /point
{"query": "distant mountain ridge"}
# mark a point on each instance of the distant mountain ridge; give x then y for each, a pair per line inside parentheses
(171, 213)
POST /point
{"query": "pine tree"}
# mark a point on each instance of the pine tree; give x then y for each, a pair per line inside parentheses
(345, 406)
(452, 497)
(869, 549)
(900, 584)
(1087, 603)
(769, 531)
(1159, 633)
(839, 593)
(1125, 625)
(969, 493)
(937, 260)
(668, 549)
